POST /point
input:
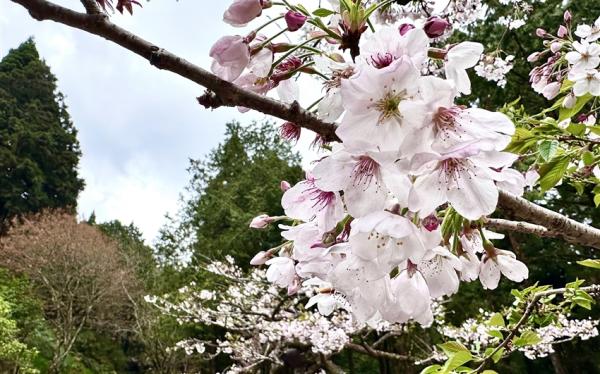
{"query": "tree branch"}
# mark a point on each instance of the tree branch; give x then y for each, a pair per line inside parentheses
(223, 93)
(375, 352)
(555, 224)
(593, 289)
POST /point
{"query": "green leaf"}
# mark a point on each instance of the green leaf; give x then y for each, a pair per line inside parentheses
(579, 187)
(489, 372)
(456, 360)
(522, 140)
(547, 149)
(583, 299)
(577, 129)
(496, 320)
(496, 334)
(322, 12)
(565, 113)
(527, 338)
(497, 356)
(588, 158)
(450, 348)
(590, 263)
(597, 200)
(552, 172)
(431, 369)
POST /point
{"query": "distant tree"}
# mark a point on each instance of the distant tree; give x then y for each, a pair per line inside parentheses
(15, 356)
(235, 181)
(39, 151)
(76, 271)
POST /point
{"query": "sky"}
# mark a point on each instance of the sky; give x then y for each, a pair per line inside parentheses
(138, 126)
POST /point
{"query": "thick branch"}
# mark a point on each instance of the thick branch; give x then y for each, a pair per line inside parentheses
(225, 93)
(556, 224)
(519, 226)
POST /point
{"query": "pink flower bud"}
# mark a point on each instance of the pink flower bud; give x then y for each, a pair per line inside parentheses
(569, 101)
(567, 17)
(285, 185)
(260, 258)
(562, 31)
(555, 47)
(435, 27)
(405, 27)
(232, 55)
(533, 57)
(540, 32)
(294, 287)
(551, 90)
(242, 11)
(294, 20)
(260, 222)
(431, 222)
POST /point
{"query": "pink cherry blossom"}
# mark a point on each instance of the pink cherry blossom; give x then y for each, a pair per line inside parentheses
(458, 59)
(497, 261)
(462, 176)
(305, 201)
(231, 56)
(242, 11)
(374, 101)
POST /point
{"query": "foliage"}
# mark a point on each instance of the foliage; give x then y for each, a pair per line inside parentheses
(14, 355)
(75, 270)
(236, 180)
(39, 151)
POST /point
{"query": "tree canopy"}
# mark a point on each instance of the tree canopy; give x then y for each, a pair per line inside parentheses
(39, 151)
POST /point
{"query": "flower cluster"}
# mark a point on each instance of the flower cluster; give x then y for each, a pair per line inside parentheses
(571, 62)
(364, 222)
(478, 336)
(495, 68)
(258, 319)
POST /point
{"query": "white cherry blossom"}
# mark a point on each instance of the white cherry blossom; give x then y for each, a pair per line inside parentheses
(459, 58)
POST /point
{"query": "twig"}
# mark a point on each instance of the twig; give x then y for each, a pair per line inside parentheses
(528, 310)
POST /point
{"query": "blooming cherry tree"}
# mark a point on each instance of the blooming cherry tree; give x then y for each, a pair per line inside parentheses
(393, 213)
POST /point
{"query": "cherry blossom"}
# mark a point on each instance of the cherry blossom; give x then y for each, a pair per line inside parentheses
(462, 176)
(458, 59)
(306, 201)
(242, 11)
(497, 261)
(231, 56)
(589, 33)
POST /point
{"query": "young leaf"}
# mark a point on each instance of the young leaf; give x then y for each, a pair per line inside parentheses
(456, 360)
(322, 12)
(547, 149)
(450, 348)
(527, 338)
(496, 320)
(590, 263)
(552, 172)
(431, 369)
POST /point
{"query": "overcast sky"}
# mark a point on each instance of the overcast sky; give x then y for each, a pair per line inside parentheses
(138, 126)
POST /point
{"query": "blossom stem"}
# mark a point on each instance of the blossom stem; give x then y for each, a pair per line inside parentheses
(294, 49)
(266, 42)
(268, 23)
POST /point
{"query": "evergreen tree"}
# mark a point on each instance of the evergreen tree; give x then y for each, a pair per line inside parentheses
(237, 181)
(39, 151)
